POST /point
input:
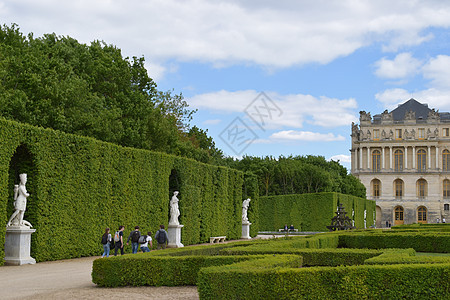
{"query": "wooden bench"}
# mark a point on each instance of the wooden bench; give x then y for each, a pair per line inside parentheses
(218, 239)
(282, 230)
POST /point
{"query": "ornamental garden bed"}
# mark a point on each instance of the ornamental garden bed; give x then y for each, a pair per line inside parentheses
(323, 266)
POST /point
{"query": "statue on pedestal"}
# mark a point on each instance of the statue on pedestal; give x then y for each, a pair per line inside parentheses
(245, 205)
(20, 204)
(174, 210)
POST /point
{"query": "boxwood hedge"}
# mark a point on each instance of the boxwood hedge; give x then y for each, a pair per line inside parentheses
(311, 212)
(352, 282)
(419, 241)
(80, 185)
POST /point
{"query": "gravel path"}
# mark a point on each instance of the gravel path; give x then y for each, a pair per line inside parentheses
(71, 279)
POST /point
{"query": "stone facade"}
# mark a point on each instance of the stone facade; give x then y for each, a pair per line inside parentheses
(403, 159)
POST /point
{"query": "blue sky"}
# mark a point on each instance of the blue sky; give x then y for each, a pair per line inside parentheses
(318, 63)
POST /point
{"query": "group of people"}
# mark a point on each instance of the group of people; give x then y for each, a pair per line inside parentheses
(137, 239)
(290, 228)
(439, 220)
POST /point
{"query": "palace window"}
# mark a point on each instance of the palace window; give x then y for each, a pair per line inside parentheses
(376, 160)
(421, 188)
(446, 206)
(376, 190)
(398, 134)
(398, 188)
(446, 189)
(398, 160)
(446, 160)
(421, 133)
(376, 134)
(398, 213)
(445, 132)
(421, 160)
(421, 214)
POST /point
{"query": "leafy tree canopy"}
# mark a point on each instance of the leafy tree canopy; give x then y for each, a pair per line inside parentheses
(93, 90)
(298, 175)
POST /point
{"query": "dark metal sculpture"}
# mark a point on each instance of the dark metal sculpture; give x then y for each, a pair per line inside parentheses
(340, 221)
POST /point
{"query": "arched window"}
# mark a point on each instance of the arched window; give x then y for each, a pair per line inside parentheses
(376, 160)
(422, 214)
(446, 160)
(446, 189)
(376, 188)
(446, 206)
(421, 188)
(398, 215)
(421, 160)
(398, 188)
(398, 160)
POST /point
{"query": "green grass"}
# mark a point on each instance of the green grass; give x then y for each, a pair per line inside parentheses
(432, 254)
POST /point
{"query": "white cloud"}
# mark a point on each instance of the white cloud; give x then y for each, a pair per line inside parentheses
(435, 98)
(341, 158)
(296, 108)
(223, 101)
(306, 136)
(212, 122)
(155, 71)
(392, 97)
(402, 66)
(267, 33)
(437, 69)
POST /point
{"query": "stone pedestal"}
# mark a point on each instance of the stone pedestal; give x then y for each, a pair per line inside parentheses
(246, 230)
(174, 232)
(17, 246)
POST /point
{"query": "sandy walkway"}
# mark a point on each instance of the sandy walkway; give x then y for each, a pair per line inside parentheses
(71, 279)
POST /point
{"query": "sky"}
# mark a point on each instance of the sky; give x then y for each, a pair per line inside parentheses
(269, 77)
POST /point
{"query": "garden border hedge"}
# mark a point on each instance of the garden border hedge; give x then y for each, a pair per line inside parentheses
(80, 185)
(352, 282)
(419, 241)
(311, 212)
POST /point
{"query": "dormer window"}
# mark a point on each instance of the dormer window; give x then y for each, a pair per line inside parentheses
(376, 134)
(421, 133)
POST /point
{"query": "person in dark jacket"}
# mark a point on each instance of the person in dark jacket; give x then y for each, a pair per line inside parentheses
(134, 236)
(161, 237)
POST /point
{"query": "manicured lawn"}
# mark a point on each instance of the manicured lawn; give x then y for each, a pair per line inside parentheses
(431, 254)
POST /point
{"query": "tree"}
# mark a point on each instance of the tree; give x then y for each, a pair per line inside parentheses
(92, 90)
(298, 174)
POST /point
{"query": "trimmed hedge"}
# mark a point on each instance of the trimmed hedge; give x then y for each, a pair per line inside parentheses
(353, 282)
(231, 282)
(80, 185)
(311, 212)
(421, 242)
(405, 256)
(311, 257)
(145, 269)
(422, 228)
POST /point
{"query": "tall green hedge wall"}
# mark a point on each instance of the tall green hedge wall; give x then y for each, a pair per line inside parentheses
(311, 212)
(80, 185)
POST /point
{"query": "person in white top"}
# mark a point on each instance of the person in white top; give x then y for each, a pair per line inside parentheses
(148, 239)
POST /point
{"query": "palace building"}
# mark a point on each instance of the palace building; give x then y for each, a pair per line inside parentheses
(403, 159)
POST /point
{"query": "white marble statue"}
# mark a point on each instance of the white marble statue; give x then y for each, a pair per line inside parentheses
(20, 203)
(245, 205)
(365, 218)
(174, 211)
